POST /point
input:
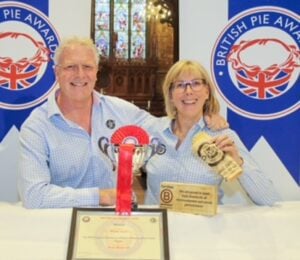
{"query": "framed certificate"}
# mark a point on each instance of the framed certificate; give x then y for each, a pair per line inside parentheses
(98, 233)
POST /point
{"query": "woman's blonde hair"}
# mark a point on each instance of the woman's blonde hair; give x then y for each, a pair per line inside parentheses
(211, 106)
(75, 40)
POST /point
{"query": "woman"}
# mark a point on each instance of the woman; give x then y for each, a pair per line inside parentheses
(189, 95)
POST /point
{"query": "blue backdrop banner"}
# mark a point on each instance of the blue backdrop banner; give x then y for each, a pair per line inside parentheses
(26, 67)
(256, 63)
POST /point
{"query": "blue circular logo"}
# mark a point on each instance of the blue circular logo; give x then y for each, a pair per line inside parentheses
(256, 63)
(26, 69)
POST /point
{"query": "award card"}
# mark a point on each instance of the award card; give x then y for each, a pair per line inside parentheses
(102, 234)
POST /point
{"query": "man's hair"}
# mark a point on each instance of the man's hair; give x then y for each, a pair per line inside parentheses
(75, 40)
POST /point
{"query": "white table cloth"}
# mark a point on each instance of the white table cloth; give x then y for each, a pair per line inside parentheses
(236, 232)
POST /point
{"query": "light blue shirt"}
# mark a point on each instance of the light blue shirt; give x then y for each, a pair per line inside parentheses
(61, 164)
(181, 165)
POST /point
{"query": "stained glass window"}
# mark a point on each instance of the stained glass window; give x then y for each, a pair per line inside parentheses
(102, 27)
(120, 28)
(138, 29)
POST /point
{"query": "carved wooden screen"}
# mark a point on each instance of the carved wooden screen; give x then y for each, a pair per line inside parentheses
(131, 65)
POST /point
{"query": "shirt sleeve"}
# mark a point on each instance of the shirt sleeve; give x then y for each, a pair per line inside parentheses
(34, 180)
(257, 185)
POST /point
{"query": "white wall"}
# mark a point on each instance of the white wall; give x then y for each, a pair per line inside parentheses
(71, 17)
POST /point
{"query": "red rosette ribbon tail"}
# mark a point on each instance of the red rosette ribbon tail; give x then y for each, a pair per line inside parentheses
(125, 179)
(127, 138)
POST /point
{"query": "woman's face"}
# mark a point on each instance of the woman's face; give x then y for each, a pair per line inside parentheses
(188, 95)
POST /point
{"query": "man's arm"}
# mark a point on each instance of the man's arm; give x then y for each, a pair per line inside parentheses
(35, 182)
(216, 122)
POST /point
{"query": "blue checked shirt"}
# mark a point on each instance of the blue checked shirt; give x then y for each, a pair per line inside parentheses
(61, 164)
(182, 165)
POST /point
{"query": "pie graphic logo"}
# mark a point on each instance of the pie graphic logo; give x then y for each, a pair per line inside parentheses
(26, 67)
(256, 63)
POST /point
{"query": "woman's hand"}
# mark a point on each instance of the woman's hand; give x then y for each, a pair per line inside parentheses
(227, 145)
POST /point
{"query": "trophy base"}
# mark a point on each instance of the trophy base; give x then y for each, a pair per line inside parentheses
(134, 202)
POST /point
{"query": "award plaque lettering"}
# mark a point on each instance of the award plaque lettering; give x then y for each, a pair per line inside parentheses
(222, 163)
(189, 198)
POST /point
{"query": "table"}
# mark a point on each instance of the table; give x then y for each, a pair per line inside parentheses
(236, 232)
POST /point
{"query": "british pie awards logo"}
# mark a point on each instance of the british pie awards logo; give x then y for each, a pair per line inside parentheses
(256, 63)
(255, 66)
(27, 43)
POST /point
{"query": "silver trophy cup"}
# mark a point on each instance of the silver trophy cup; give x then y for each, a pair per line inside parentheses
(141, 155)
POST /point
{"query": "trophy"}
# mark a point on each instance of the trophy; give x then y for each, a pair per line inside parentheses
(222, 163)
(128, 150)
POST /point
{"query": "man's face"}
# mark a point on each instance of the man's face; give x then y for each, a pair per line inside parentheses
(76, 73)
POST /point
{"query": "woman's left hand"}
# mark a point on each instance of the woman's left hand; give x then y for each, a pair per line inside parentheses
(226, 144)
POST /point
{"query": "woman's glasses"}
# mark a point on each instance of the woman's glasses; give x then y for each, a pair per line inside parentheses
(195, 85)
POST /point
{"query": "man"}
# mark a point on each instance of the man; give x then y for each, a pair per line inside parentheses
(60, 164)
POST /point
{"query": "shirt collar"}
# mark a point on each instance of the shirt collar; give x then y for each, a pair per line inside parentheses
(53, 108)
(168, 125)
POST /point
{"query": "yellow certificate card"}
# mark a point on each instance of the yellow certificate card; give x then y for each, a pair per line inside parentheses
(101, 234)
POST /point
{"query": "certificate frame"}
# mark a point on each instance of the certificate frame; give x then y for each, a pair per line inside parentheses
(100, 233)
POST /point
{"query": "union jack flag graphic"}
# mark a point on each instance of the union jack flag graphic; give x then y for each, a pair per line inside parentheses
(21, 73)
(270, 78)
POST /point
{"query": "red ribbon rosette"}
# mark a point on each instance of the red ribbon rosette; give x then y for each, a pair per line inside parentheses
(130, 134)
(127, 137)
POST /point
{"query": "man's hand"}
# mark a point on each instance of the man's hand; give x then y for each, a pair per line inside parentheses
(215, 122)
(107, 197)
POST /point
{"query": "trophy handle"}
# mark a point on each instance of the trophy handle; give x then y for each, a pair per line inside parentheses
(158, 147)
(103, 144)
